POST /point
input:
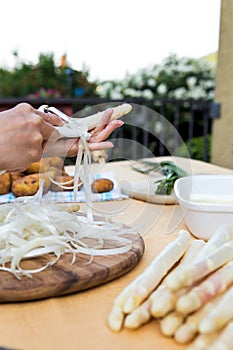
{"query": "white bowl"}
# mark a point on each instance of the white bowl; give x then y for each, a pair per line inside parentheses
(206, 202)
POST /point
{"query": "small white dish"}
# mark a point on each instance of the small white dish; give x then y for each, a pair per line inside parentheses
(206, 202)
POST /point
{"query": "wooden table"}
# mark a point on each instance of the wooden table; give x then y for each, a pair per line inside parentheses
(78, 321)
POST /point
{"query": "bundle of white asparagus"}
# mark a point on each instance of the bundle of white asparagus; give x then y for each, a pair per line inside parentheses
(188, 288)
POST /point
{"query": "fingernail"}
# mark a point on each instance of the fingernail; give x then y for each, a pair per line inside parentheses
(120, 122)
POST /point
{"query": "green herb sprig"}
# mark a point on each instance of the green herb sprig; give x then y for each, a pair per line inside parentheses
(168, 169)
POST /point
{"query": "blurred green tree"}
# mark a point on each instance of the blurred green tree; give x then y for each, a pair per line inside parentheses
(44, 79)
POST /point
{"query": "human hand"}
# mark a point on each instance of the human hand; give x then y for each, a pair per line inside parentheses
(27, 134)
(24, 132)
(69, 147)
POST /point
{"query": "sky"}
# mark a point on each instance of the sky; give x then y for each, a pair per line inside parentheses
(108, 37)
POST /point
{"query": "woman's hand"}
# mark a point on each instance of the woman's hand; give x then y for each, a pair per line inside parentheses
(24, 132)
(27, 134)
(69, 147)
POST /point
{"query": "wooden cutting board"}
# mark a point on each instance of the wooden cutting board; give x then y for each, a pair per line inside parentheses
(144, 190)
(64, 278)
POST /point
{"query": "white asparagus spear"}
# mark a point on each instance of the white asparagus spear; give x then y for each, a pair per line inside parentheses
(170, 323)
(213, 285)
(189, 329)
(219, 316)
(221, 236)
(75, 127)
(201, 268)
(203, 342)
(163, 299)
(158, 268)
(138, 316)
(142, 313)
(117, 313)
(116, 318)
(223, 341)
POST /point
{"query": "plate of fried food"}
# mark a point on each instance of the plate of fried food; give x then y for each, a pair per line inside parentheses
(58, 180)
(26, 183)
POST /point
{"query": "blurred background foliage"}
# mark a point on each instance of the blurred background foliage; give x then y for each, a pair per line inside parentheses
(176, 77)
(45, 79)
(159, 87)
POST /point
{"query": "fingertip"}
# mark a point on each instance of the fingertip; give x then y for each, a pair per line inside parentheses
(117, 122)
(100, 145)
(107, 115)
(120, 122)
(54, 119)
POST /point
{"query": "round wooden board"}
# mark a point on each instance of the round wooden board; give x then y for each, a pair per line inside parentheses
(65, 278)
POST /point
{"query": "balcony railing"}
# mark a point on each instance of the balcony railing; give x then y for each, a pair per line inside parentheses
(159, 127)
